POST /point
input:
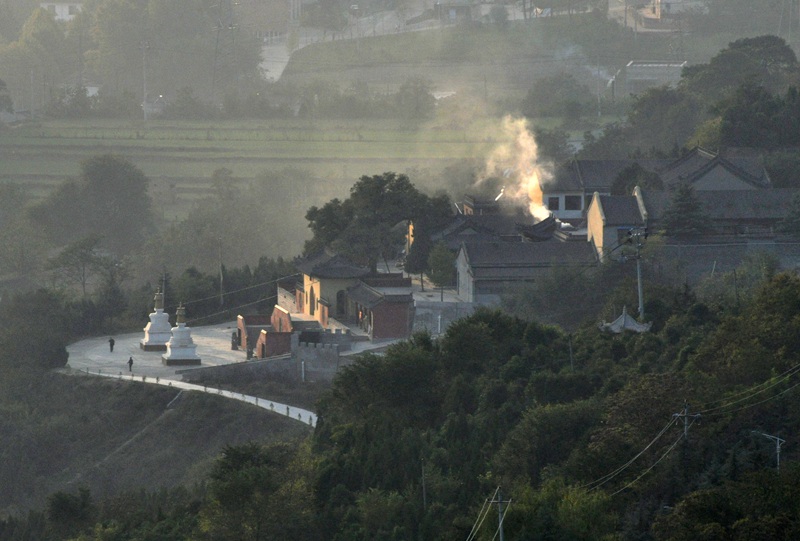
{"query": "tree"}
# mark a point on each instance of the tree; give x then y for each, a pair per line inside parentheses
(415, 100)
(259, 493)
(499, 15)
(68, 514)
(77, 262)
(433, 216)
(550, 96)
(783, 168)
(441, 266)
(127, 31)
(371, 223)
(5, 98)
(553, 144)
(109, 199)
(635, 175)
(766, 59)
(791, 223)
(751, 117)
(684, 215)
(663, 117)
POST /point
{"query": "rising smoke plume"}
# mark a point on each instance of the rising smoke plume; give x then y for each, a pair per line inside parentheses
(516, 161)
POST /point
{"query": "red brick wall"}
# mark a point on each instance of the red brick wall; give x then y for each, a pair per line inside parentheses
(243, 321)
(280, 320)
(273, 343)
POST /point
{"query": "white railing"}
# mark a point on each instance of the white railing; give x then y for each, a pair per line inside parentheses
(298, 414)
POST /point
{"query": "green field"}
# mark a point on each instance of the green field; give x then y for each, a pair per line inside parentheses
(46, 153)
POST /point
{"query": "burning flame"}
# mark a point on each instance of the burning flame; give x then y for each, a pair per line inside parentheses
(516, 159)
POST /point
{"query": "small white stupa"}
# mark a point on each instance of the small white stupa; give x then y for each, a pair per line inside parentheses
(158, 332)
(180, 348)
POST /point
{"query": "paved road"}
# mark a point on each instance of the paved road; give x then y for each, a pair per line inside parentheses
(92, 356)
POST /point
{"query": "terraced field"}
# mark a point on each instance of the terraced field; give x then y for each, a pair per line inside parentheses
(180, 157)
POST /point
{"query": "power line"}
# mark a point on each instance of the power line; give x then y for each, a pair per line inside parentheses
(744, 396)
(603, 480)
(476, 526)
(668, 451)
(216, 295)
(228, 310)
(754, 404)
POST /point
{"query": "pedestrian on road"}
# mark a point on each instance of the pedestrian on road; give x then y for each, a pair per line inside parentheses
(130, 364)
(111, 345)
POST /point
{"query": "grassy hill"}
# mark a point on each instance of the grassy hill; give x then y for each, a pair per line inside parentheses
(62, 432)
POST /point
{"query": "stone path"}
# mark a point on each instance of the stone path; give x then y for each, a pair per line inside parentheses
(92, 356)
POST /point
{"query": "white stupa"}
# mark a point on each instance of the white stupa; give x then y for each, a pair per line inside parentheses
(158, 332)
(180, 348)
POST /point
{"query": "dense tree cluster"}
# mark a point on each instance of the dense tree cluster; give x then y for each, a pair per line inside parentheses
(123, 43)
(369, 226)
(580, 431)
(110, 196)
(746, 96)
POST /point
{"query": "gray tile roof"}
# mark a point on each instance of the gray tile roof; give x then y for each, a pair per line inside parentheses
(519, 259)
(483, 228)
(594, 175)
(729, 205)
(621, 210)
(327, 264)
(371, 297)
(694, 165)
(749, 205)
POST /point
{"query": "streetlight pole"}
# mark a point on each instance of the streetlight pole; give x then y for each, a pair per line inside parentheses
(778, 442)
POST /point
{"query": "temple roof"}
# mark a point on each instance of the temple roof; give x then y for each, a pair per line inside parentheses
(370, 296)
(620, 210)
(328, 264)
(625, 323)
(518, 260)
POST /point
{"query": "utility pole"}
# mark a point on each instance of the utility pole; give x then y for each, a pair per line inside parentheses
(144, 45)
(637, 236)
(778, 442)
(685, 416)
(424, 488)
(500, 513)
(225, 47)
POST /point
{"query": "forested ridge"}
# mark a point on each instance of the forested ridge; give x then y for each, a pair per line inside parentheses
(589, 435)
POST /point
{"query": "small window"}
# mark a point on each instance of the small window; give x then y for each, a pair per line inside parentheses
(572, 202)
(553, 203)
(74, 9)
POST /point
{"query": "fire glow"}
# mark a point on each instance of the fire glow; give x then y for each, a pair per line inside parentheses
(516, 159)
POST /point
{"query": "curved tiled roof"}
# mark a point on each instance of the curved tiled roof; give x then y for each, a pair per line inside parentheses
(327, 264)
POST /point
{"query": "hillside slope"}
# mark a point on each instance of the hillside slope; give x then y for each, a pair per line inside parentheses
(113, 436)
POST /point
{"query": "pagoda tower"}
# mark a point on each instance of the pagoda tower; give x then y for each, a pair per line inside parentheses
(158, 332)
(180, 348)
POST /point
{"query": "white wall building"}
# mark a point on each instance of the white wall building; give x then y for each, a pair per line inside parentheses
(62, 11)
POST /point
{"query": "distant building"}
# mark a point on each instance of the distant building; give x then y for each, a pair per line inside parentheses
(568, 194)
(268, 20)
(641, 75)
(486, 269)
(62, 11)
(676, 8)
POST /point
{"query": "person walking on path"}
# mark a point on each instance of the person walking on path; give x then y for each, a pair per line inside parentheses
(130, 364)
(111, 345)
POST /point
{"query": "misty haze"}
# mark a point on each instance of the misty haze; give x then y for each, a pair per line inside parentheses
(399, 269)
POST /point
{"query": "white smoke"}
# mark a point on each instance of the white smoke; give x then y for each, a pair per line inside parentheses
(516, 159)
